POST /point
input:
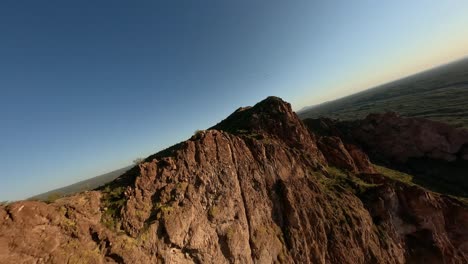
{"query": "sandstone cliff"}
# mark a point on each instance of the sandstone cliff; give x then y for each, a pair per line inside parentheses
(256, 188)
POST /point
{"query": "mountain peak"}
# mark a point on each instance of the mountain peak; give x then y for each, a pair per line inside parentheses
(273, 100)
(272, 111)
(271, 118)
(260, 191)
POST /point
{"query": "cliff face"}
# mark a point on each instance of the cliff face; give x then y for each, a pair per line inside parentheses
(256, 188)
(436, 153)
(400, 139)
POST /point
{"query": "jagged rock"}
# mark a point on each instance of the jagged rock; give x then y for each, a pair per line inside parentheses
(422, 221)
(253, 189)
(344, 156)
(402, 138)
(434, 152)
(336, 153)
(361, 160)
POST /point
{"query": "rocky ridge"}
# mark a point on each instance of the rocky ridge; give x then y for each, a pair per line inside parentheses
(258, 187)
(436, 153)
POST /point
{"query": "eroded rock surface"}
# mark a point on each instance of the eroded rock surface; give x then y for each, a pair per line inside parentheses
(434, 152)
(399, 138)
(345, 156)
(256, 188)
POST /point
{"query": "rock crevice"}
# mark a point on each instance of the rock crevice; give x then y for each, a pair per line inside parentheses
(259, 187)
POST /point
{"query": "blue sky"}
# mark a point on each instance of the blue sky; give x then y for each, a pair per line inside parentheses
(87, 86)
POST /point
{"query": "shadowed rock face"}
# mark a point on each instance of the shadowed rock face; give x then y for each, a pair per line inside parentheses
(404, 138)
(256, 188)
(345, 156)
(434, 152)
(398, 139)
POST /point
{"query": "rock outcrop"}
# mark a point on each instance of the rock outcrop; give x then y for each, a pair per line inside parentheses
(403, 138)
(255, 188)
(434, 152)
(345, 156)
(398, 138)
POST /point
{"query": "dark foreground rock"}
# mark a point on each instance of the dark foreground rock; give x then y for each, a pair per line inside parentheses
(257, 188)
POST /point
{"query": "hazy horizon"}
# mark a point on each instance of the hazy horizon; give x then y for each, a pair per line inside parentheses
(380, 84)
(88, 87)
(84, 178)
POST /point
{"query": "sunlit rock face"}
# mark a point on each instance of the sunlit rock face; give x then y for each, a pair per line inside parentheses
(259, 187)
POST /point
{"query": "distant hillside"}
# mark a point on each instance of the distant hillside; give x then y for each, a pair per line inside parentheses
(81, 186)
(261, 187)
(440, 94)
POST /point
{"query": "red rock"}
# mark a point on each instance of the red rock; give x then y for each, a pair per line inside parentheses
(253, 190)
(336, 154)
(401, 138)
(361, 160)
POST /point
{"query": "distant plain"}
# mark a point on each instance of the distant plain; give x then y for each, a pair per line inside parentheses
(81, 186)
(439, 94)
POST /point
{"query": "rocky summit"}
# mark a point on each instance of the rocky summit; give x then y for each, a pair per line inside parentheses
(259, 187)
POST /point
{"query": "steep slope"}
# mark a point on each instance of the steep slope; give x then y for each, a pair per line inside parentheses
(256, 188)
(435, 153)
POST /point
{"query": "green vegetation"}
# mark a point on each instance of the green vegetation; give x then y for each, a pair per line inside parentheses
(138, 161)
(80, 256)
(213, 212)
(198, 133)
(113, 199)
(340, 179)
(440, 176)
(248, 134)
(440, 94)
(230, 232)
(261, 234)
(394, 174)
(164, 208)
(433, 184)
(454, 186)
(81, 186)
(69, 224)
(53, 197)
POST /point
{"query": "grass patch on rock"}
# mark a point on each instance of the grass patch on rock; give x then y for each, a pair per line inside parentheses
(394, 174)
(113, 199)
(339, 179)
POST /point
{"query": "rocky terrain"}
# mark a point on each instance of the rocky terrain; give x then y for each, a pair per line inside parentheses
(259, 187)
(435, 153)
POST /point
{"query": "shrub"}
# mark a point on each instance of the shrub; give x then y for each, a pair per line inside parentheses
(198, 133)
(138, 161)
(53, 196)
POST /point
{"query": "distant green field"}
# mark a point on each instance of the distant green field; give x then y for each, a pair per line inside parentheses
(439, 94)
(81, 186)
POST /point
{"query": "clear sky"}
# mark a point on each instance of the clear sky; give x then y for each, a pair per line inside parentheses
(87, 86)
